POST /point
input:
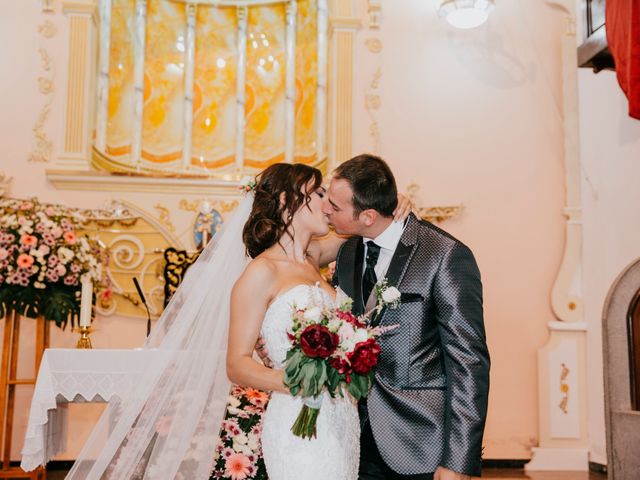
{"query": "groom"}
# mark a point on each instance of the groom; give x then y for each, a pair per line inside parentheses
(425, 414)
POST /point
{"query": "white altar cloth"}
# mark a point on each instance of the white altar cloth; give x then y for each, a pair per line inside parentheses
(69, 375)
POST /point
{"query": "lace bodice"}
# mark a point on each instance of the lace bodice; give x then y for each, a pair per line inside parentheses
(277, 319)
(335, 452)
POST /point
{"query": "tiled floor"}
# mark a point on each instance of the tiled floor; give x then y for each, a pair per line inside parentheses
(487, 474)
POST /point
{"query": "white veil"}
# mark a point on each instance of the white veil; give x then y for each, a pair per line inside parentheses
(186, 389)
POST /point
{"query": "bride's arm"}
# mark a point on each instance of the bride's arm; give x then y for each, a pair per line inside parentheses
(250, 298)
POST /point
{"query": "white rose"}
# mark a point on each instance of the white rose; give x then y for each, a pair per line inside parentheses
(233, 401)
(312, 314)
(361, 335)
(390, 295)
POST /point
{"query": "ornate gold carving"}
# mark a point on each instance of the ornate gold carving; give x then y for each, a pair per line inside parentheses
(372, 99)
(48, 29)
(206, 205)
(165, 216)
(432, 214)
(44, 146)
(374, 45)
(5, 183)
(45, 59)
(46, 86)
(374, 10)
(564, 389)
(47, 6)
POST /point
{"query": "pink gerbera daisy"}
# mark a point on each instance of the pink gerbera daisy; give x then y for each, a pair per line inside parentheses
(69, 237)
(28, 240)
(25, 261)
(237, 466)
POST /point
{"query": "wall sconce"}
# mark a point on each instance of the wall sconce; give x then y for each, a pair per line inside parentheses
(466, 13)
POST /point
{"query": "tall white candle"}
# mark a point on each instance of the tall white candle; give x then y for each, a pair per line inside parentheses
(86, 302)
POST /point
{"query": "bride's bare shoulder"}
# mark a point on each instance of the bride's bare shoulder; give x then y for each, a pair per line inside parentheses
(260, 272)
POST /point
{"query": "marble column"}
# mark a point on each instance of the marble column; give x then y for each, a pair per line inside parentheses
(562, 372)
(290, 82)
(140, 26)
(321, 88)
(241, 85)
(189, 68)
(104, 51)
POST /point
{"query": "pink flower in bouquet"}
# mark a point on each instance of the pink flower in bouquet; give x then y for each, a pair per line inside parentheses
(50, 211)
(52, 261)
(71, 280)
(365, 356)
(56, 232)
(60, 269)
(75, 268)
(44, 249)
(69, 237)
(28, 240)
(26, 206)
(237, 466)
(317, 341)
(349, 317)
(40, 227)
(3, 253)
(25, 261)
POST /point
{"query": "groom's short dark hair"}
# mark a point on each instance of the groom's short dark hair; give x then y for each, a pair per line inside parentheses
(372, 182)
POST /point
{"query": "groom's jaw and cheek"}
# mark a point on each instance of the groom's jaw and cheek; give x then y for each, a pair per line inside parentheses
(339, 209)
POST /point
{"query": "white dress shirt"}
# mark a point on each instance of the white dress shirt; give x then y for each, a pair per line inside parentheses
(387, 241)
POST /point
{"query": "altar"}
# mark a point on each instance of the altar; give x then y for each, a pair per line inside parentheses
(76, 375)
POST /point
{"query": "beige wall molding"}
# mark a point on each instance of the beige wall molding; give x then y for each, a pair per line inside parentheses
(107, 182)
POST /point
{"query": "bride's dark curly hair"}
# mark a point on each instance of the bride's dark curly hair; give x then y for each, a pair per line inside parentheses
(269, 220)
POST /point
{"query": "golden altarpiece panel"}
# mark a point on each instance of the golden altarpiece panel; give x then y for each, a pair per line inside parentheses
(184, 99)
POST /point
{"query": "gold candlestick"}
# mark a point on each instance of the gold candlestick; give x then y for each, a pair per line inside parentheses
(85, 340)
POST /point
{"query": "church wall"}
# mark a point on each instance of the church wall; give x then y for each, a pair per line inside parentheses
(610, 157)
(472, 118)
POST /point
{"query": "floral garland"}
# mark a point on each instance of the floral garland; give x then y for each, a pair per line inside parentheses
(43, 260)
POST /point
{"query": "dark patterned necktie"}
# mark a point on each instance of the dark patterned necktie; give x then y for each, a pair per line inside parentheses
(369, 279)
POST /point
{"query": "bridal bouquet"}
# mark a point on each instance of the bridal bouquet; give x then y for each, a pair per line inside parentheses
(332, 350)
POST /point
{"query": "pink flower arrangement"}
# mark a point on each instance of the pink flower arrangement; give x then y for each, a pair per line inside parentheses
(39, 246)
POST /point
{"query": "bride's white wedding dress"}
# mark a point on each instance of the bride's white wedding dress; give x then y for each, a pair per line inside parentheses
(335, 452)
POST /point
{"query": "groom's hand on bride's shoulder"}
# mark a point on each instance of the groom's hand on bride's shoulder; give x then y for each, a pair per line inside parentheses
(263, 353)
(446, 474)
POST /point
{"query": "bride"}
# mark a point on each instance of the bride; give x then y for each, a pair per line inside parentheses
(263, 262)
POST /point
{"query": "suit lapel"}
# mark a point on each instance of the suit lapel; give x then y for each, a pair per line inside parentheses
(400, 260)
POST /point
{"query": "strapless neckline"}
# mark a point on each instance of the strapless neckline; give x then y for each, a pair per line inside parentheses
(295, 288)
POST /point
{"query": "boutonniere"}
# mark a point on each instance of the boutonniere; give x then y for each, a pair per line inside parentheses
(387, 296)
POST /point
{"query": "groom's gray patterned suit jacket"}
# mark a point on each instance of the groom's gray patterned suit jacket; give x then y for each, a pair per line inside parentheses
(428, 404)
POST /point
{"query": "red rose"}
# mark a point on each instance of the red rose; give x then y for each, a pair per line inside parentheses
(342, 366)
(318, 342)
(350, 318)
(365, 356)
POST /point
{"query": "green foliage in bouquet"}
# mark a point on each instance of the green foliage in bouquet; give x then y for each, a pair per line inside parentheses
(43, 259)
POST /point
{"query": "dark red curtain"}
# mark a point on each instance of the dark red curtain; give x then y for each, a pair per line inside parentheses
(623, 36)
